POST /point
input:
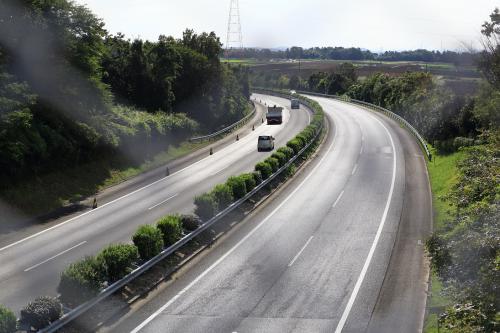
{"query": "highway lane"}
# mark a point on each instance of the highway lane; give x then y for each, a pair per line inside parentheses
(31, 267)
(315, 258)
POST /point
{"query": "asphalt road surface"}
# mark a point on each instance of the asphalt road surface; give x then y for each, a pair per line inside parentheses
(338, 250)
(31, 265)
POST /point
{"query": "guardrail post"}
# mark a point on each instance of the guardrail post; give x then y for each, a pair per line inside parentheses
(211, 151)
(167, 172)
(94, 204)
(237, 137)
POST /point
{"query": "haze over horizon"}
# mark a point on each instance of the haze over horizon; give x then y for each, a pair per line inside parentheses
(386, 25)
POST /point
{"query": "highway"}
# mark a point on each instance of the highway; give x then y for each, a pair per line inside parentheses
(31, 264)
(338, 250)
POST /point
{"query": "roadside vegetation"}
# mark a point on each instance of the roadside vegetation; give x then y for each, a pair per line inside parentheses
(74, 97)
(84, 279)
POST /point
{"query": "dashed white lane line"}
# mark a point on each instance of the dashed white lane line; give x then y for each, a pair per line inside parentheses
(53, 257)
(300, 252)
(237, 245)
(361, 150)
(354, 169)
(164, 201)
(338, 199)
(359, 282)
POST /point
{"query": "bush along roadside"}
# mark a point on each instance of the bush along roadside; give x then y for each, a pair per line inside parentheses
(84, 279)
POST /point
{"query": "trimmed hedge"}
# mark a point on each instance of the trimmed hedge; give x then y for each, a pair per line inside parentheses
(117, 259)
(249, 180)
(223, 196)
(282, 159)
(238, 186)
(274, 163)
(8, 321)
(190, 222)
(295, 144)
(265, 169)
(41, 312)
(257, 177)
(81, 281)
(206, 207)
(149, 241)
(287, 151)
(170, 227)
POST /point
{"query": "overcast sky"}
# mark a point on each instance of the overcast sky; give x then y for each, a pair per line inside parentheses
(373, 24)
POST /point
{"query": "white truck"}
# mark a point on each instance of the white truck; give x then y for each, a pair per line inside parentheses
(274, 115)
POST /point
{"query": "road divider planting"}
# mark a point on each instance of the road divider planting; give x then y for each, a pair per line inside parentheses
(94, 278)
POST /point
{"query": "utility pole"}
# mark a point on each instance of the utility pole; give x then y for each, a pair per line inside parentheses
(234, 36)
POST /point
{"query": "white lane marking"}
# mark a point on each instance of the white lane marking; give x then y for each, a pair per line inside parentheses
(108, 203)
(354, 169)
(53, 257)
(216, 263)
(362, 138)
(368, 260)
(215, 173)
(300, 252)
(161, 203)
(361, 150)
(338, 199)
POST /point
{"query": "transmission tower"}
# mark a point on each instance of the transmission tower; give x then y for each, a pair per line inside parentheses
(234, 36)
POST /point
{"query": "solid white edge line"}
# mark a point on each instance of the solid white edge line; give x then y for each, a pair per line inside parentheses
(338, 199)
(53, 257)
(300, 252)
(361, 150)
(368, 260)
(106, 204)
(216, 263)
(161, 203)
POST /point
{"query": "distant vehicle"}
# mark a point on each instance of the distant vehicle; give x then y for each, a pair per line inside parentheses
(274, 115)
(266, 142)
(295, 104)
(292, 92)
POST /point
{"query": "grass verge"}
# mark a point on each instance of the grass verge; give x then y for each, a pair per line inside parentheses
(443, 175)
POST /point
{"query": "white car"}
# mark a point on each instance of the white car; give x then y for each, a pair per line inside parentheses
(265, 143)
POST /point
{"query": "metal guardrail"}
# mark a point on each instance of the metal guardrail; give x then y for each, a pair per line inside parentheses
(81, 309)
(385, 111)
(226, 129)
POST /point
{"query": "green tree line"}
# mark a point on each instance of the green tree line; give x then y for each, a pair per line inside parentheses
(70, 92)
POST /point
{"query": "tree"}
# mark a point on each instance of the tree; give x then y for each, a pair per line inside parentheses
(490, 57)
(117, 260)
(8, 321)
(149, 241)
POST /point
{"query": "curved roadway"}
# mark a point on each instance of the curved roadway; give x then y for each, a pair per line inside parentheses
(338, 250)
(31, 266)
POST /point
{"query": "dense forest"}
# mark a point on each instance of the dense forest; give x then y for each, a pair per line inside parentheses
(353, 53)
(70, 92)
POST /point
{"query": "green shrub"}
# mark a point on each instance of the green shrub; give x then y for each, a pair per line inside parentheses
(290, 171)
(238, 186)
(295, 144)
(81, 281)
(8, 321)
(257, 177)
(289, 153)
(282, 159)
(149, 241)
(171, 229)
(274, 163)
(41, 312)
(302, 138)
(190, 222)
(265, 169)
(117, 259)
(250, 182)
(223, 196)
(206, 207)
